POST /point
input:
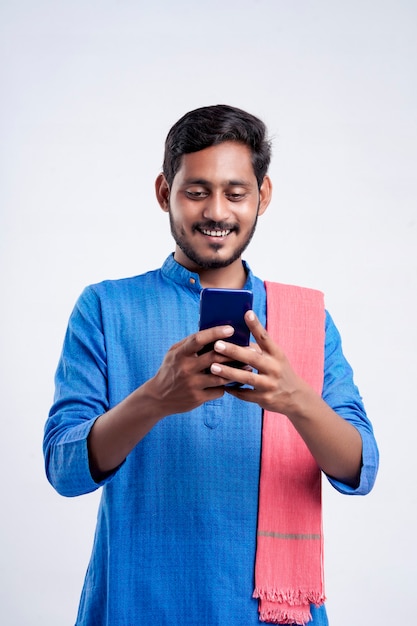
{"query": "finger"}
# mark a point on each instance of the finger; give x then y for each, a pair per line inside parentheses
(260, 334)
(204, 361)
(211, 381)
(233, 374)
(248, 355)
(198, 341)
(246, 394)
(255, 347)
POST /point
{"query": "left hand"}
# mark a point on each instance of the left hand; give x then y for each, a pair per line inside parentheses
(274, 385)
(333, 441)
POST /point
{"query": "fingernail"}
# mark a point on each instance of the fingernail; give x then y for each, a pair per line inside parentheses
(250, 316)
(216, 368)
(220, 345)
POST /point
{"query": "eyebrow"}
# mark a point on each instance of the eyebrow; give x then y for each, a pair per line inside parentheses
(207, 183)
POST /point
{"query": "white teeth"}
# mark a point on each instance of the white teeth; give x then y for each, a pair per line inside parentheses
(215, 233)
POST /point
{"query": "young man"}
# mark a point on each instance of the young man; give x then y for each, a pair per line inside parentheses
(140, 412)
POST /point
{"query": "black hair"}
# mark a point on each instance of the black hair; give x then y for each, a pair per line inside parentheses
(210, 126)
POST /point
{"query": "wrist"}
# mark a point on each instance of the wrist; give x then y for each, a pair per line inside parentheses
(301, 402)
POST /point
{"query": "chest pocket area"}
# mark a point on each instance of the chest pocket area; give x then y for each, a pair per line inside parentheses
(214, 411)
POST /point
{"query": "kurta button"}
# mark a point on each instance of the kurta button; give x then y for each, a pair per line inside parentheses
(192, 281)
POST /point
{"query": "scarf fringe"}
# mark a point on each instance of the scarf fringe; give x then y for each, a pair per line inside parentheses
(283, 616)
(291, 596)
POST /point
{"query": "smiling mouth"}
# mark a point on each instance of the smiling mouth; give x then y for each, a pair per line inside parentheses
(215, 232)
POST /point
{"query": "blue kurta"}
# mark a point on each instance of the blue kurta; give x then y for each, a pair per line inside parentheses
(176, 531)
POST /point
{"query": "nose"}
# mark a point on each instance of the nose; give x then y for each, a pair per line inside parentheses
(216, 207)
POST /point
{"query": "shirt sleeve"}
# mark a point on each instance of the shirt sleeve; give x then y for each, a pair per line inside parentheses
(80, 398)
(342, 395)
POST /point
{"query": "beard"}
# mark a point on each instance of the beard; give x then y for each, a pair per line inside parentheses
(205, 263)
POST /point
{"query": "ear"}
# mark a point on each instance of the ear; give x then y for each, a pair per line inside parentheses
(162, 192)
(265, 194)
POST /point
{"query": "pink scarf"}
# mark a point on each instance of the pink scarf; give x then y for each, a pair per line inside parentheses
(289, 555)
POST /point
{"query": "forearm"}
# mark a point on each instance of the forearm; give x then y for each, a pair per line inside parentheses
(179, 386)
(334, 442)
(274, 385)
(119, 430)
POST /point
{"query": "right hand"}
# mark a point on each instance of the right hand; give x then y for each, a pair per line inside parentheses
(181, 383)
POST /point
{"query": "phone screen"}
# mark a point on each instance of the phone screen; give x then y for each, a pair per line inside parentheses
(226, 306)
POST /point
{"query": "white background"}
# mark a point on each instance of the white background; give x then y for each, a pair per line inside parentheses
(89, 90)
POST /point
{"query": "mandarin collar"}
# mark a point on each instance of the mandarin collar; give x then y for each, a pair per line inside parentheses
(180, 275)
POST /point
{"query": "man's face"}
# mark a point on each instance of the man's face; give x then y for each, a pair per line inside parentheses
(213, 206)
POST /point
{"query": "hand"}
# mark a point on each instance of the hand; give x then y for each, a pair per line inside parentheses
(274, 383)
(333, 441)
(180, 385)
(182, 382)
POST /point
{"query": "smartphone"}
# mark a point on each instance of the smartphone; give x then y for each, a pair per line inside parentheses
(226, 306)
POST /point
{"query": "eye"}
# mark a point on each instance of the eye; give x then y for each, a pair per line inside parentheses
(235, 196)
(196, 194)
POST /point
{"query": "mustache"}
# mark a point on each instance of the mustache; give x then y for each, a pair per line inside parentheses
(211, 225)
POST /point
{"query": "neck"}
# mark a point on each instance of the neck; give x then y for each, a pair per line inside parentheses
(231, 277)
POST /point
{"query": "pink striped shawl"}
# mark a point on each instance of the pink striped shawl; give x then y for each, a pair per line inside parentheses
(289, 555)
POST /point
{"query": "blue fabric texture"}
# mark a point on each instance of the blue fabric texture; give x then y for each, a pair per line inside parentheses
(176, 531)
